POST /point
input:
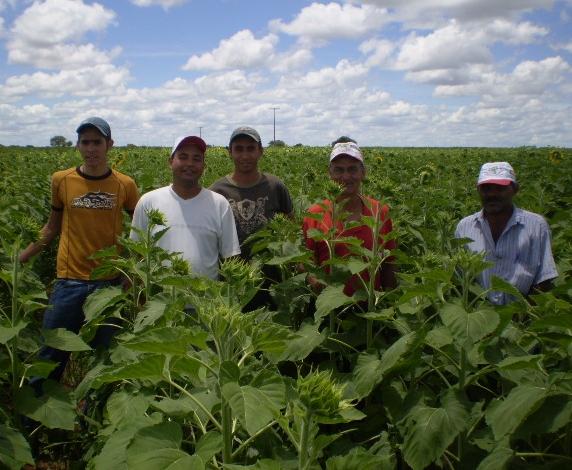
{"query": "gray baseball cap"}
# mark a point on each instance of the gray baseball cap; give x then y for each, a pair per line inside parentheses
(247, 131)
(100, 124)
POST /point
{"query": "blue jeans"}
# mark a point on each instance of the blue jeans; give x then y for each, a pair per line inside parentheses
(65, 310)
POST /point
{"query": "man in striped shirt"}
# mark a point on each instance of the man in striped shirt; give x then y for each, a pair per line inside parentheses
(515, 240)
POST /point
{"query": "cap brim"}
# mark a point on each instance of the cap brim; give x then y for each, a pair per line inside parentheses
(500, 182)
(81, 128)
(191, 140)
(355, 157)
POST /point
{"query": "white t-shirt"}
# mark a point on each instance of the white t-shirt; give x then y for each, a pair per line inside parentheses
(202, 228)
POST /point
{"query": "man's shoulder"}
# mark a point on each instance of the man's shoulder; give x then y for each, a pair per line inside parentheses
(468, 220)
(126, 179)
(61, 174)
(529, 217)
(273, 179)
(222, 182)
(155, 194)
(214, 196)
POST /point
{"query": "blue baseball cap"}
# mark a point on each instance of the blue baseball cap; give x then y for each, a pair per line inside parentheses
(100, 124)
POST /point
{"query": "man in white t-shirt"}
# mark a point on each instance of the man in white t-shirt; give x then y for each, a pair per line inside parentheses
(201, 223)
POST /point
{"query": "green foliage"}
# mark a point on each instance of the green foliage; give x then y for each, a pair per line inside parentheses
(428, 375)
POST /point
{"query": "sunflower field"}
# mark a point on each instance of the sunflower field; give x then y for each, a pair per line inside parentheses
(428, 375)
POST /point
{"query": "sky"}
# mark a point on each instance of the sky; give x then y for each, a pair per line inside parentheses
(495, 73)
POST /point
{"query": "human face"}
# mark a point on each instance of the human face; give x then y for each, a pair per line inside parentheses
(245, 153)
(187, 165)
(348, 172)
(93, 147)
(495, 198)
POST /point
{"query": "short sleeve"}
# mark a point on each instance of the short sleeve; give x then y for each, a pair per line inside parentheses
(56, 201)
(286, 205)
(132, 196)
(228, 238)
(547, 266)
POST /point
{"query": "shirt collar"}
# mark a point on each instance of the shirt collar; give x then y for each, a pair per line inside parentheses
(517, 217)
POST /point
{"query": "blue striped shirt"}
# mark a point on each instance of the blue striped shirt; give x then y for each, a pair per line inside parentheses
(522, 255)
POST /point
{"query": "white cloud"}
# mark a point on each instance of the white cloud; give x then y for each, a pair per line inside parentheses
(465, 10)
(62, 56)
(45, 35)
(166, 4)
(344, 73)
(242, 50)
(446, 48)
(99, 80)
(290, 61)
(330, 21)
(56, 21)
(529, 78)
(379, 51)
(567, 47)
(457, 46)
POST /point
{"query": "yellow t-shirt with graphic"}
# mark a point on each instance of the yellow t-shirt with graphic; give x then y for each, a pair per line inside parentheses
(92, 216)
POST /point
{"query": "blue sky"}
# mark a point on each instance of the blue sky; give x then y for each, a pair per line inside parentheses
(430, 73)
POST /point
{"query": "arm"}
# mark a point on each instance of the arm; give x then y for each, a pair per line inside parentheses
(49, 231)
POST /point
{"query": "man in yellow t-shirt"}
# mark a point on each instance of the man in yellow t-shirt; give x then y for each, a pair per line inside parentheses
(87, 203)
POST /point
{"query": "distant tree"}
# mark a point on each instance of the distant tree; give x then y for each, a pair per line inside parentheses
(343, 139)
(299, 145)
(60, 141)
(130, 146)
(277, 143)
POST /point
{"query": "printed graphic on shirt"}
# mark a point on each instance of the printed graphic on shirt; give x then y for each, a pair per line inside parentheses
(95, 200)
(249, 214)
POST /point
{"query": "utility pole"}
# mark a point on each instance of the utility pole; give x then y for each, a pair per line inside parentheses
(274, 121)
(201, 131)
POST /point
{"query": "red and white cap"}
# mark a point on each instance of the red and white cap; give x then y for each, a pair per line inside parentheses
(500, 173)
(189, 139)
(350, 149)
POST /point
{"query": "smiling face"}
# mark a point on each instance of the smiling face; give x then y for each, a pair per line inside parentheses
(348, 172)
(93, 147)
(245, 153)
(187, 165)
(496, 198)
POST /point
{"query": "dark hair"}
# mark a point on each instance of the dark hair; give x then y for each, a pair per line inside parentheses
(343, 140)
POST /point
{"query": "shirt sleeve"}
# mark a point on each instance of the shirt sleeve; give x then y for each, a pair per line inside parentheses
(56, 201)
(132, 196)
(286, 205)
(228, 238)
(140, 220)
(547, 266)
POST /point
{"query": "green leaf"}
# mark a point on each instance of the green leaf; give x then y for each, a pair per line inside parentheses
(521, 362)
(148, 367)
(371, 370)
(209, 445)
(54, 409)
(7, 333)
(167, 435)
(430, 431)
(114, 452)
(100, 300)
(360, 459)
(60, 338)
(468, 328)
(552, 321)
(330, 298)
(123, 406)
(228, 372)
(498, 459)
(554, 413)
(255, 407)
(153, 310)
(166, 459)
(14, 449)
(169, 340)
(505, 416)
(306, 339)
